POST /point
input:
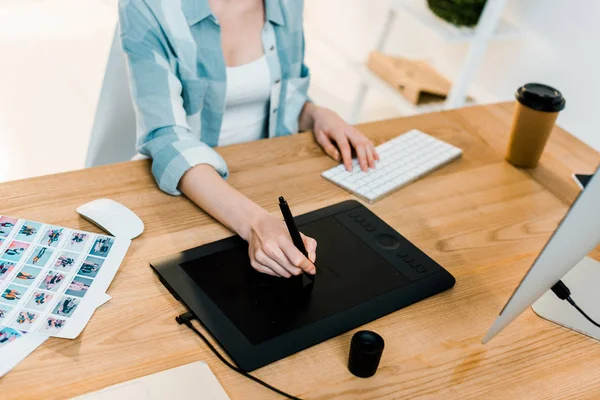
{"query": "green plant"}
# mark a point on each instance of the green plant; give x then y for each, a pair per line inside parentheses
(458, 12)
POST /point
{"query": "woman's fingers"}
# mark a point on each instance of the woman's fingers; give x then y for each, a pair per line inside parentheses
(346, 139)
(273, 265)
(274, 252)
(342, 142)
(311, 247)
(297, 258)
(375, 153)
(262, 269)
(327, 145)
(370, 155)
(361, 154)
(285, 259)
(365, 150)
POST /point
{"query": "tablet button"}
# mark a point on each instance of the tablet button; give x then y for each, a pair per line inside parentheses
(402, 254)
(370, 228)
(354, 214)
(365, 224)
(387, 241)
(421, 269)
(359, 219)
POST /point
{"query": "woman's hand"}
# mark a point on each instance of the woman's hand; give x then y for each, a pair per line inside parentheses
(272, 251)
(329, 128)
(271, 248)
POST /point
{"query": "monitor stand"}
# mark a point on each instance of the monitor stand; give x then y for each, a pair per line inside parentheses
(584, 282)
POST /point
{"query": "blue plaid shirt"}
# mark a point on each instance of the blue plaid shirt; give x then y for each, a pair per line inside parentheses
(178, 79)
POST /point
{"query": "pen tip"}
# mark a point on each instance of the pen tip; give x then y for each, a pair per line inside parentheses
(281, 199)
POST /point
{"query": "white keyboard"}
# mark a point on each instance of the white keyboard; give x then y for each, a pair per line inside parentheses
(403, 160)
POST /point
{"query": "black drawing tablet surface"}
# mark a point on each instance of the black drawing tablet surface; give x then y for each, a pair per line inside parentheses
(365, 270)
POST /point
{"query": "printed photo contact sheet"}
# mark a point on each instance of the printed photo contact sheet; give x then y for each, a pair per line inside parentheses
(52, 277)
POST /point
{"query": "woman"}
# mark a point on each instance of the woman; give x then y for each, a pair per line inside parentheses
(206, 73)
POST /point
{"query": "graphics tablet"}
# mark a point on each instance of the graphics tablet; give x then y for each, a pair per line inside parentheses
(365, 270)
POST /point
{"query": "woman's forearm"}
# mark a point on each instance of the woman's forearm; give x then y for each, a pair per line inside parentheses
(270, 247)
(306, 120)
(205, 187)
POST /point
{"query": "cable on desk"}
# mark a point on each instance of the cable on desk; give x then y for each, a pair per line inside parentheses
(186, 319)
(562, 292)
(570, 300)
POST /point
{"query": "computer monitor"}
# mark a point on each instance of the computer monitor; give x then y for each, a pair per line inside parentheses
(564, 258)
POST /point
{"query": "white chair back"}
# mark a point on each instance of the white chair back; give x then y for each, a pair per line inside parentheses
(113, 133)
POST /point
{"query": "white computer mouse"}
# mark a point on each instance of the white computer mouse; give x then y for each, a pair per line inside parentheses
(113, 217)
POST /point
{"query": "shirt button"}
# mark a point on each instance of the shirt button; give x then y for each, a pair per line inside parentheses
(274, 110)
(272, 48)
(277, 81)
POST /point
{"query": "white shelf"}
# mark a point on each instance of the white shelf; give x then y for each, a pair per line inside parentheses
(399, 101)
(419, 11)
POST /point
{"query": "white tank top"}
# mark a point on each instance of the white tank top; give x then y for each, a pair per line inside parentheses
(246, 103)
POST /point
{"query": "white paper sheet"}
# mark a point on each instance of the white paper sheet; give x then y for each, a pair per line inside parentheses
(11, 354)
(191, 381)
(16, 351)
(51, 277)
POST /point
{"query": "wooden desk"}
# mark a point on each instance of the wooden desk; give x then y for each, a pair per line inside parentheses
(482, 219)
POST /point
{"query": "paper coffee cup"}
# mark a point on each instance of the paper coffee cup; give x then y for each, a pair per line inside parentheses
(537, 107)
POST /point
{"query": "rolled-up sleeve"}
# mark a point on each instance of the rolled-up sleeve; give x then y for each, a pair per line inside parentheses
(162, 127)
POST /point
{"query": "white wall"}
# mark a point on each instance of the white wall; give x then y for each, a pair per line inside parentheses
(54, 54)
(559, 46)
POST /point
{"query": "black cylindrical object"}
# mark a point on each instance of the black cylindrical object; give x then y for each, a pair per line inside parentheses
(366, 348)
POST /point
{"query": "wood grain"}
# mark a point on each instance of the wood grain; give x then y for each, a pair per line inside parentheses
(482, 219)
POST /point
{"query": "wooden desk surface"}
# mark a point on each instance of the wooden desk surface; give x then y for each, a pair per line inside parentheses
(479, 217)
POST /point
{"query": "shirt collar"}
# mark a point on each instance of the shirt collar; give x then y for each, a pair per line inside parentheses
(197, 10)
(274, 12)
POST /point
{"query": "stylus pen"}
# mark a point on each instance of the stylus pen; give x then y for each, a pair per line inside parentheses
(294, 232)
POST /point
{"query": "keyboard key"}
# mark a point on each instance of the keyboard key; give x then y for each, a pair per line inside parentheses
(378, 192)
(352, 178)
(329, 174)
(362, 192)
(342, 175)
(383, 147)
(353, 187)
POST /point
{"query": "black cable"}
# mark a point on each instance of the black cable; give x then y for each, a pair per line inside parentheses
(572, 302)
(186, 319)
(562, 292)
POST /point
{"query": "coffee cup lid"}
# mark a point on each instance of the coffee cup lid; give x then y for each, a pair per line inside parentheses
(540, 97)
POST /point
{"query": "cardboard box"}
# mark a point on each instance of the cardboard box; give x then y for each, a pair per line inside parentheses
(415, 79)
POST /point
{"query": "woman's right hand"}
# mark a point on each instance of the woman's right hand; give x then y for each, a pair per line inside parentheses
(271, 248)
(272, 251)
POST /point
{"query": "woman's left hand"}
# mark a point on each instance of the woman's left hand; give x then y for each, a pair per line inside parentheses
(329, 128)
